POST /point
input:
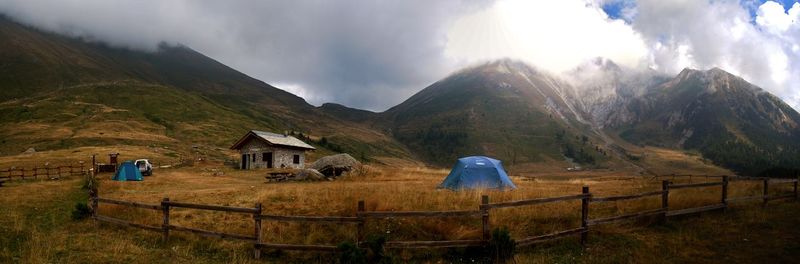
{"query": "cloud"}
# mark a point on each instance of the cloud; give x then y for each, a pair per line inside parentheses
(706, 34)
(368, 54)
(554, 35)
(375, 54)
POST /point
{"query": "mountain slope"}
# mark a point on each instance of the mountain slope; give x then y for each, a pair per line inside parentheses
(504, 109)
(729, 120)
(61, 92)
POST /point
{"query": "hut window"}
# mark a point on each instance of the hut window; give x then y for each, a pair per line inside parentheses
(296, 159)
(254, 157)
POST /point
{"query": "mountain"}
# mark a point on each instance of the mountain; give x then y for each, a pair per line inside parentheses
(730, 121)
(346, 113)
(504, 109)
(60, 92)
(604, 88)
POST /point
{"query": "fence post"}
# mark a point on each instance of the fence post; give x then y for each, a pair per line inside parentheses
(485, 218)
(725, 192)
(257, 219)
(585, 215)
(766, 192)
(664, 199)
(165, 224)
(796, 196)
(93, 195)
(360, 231)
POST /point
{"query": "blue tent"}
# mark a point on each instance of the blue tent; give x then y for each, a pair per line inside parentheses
(477, 172)
(128, 171)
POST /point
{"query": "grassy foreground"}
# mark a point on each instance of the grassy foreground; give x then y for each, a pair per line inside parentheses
(36, 227)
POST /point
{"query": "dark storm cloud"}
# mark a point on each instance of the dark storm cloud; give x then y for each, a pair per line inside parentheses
(368, 54)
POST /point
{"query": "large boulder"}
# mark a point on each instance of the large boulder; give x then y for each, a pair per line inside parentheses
(308, 175)
(335, 165)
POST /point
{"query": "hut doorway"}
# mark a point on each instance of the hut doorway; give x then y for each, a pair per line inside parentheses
(268, 158)
(244, 161)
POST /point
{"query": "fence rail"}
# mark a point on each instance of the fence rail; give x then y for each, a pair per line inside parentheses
(534, 201)
(548, 237)
(48, 172)
(624, 197)
(612, 219)
(291, 218)
(434, 244)
(484, 212)
(384, 214)
(211, 207)
(695, 185)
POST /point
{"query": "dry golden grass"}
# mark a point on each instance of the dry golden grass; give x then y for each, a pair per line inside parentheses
(668, 161)
(54, 236)
(127, 129)
(393, 189)
(161, 155)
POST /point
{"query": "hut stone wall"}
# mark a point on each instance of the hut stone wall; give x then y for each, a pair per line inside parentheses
(258, 151)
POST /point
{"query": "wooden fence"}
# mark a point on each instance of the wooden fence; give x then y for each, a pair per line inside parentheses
(483, 212)
(47, 172)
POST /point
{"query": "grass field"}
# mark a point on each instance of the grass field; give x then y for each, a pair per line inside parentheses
(36, 226)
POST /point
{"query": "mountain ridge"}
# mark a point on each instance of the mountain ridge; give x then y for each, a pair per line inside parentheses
(504, 108)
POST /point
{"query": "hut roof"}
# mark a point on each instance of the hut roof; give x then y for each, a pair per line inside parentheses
(273, 139)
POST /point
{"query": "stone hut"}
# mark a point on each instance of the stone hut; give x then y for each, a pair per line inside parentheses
(269, 150)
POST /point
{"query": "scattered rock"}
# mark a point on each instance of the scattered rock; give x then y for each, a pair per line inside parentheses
(309, 175)
(335, 165)
(30, 150)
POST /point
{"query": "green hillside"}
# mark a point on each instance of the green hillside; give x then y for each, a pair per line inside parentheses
(730, 121)
(504, 109)
(60, 92)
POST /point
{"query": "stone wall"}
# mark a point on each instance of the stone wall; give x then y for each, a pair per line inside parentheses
(281, 157)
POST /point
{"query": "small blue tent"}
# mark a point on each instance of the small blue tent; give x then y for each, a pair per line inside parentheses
(128, 171)
(477, 172)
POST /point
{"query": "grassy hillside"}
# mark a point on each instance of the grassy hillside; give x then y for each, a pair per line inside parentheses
(58, 92)
(503, 109)
(729, 121)
(37, 228)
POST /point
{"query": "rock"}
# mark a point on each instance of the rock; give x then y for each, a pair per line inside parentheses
(308, 175)
(30, 150)
(335, 165)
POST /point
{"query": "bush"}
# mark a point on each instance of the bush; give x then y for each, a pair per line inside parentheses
(349, 253)
(375, 253)
(81, 211)
(90, 183)
(502, 246)
(372, 252)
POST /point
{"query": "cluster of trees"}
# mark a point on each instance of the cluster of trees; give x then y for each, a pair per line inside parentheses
(750, 160)
(573, 151)
(439, 145)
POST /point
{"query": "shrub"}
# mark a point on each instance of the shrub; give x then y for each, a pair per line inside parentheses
(502, 246)
(81, 211)
(349, 253)
(372, 252)
(90, 183)
(375, 252)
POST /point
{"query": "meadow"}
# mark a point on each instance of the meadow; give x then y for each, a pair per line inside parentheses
(37, 228)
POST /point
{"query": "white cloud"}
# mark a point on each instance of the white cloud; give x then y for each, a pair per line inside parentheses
(375, 54)
(772, 17)
(363, 54)
(706, 34)
(554, 35)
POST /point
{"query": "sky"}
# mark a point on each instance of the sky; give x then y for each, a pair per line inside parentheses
(375, 54)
